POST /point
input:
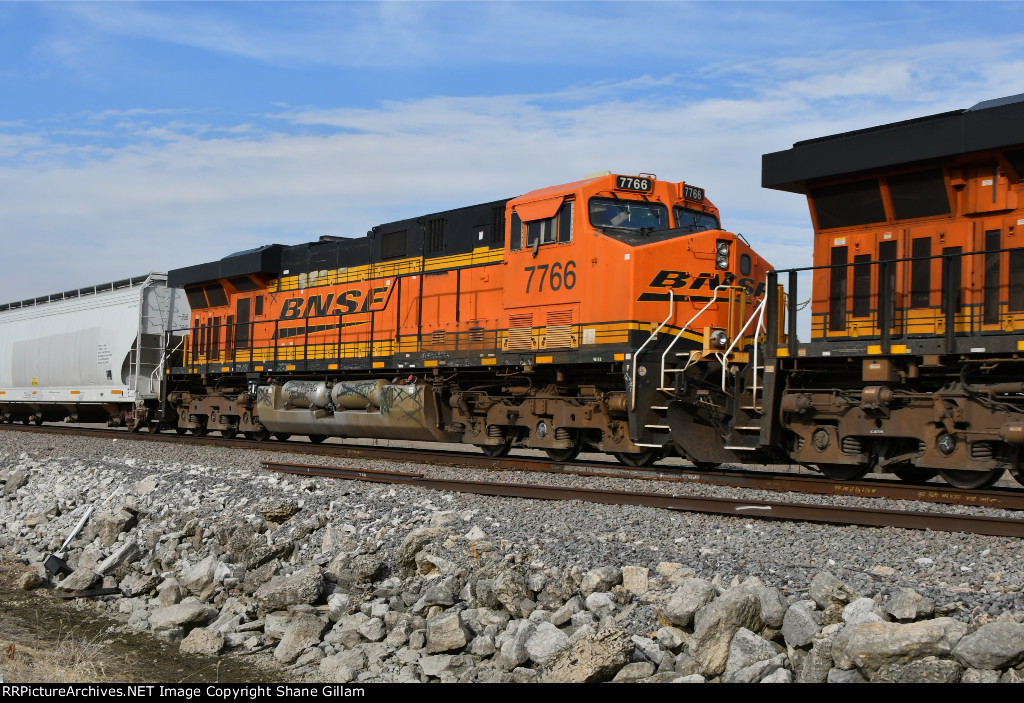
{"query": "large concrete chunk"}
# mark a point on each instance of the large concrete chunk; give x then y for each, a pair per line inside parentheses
(445, 632)
(801, 624)
(907, 604)
(862, 610)
(827, 590)
(199, 576)
(511, 590)
(414, 542)
(589, 659)
(512, 642)
(600, 580)
(716, 623)
(998, 645)
(546, 641)
(110, 525)
(188, 613)
(691, 595)
(872, 645)
(303, 632)
(349, 570)
(123, 554)
(203, 641)
(745, 650)
(927, 670)
(301, 588)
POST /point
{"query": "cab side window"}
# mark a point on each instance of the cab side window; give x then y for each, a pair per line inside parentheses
(546, 231)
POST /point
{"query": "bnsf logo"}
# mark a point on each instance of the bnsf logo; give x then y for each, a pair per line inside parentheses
(677, 280)
(353, 300)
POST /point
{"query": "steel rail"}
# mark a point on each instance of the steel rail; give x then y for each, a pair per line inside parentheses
(843, 515)
(996, 498)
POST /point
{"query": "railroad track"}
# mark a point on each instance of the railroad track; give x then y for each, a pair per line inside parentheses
(998, 498)
(845, 515)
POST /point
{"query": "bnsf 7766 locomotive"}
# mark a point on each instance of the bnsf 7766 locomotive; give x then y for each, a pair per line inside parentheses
(516, 322)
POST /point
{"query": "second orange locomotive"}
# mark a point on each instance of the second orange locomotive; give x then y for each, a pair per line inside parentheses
(515, 322)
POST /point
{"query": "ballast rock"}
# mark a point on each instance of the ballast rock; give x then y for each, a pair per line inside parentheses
(394, 600)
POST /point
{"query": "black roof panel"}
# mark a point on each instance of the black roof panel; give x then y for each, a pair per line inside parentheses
(992, 124)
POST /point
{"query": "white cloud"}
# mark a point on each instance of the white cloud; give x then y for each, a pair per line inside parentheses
(107, 194)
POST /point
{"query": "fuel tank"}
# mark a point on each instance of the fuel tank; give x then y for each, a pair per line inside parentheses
(385, 411)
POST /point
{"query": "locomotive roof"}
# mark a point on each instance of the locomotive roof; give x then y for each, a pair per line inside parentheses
(992, 124)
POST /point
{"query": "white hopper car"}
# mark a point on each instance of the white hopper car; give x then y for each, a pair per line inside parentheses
(90, 354)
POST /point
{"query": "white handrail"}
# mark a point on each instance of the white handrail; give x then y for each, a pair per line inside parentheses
(153, 376)
(724, 356)
(636, 354)
(757, 334)
(686, 326)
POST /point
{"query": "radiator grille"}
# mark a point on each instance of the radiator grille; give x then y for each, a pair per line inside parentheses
(559, 330)
(520, 332)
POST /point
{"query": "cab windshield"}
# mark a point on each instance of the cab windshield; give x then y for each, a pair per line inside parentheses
(631, 215)
(694, 220)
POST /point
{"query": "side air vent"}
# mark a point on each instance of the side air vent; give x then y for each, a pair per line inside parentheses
(520, 332)
(559, 330)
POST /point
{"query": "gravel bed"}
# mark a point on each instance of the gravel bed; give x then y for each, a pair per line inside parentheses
(984, 574)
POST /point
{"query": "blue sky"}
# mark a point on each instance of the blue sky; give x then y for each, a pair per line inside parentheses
(137, 137)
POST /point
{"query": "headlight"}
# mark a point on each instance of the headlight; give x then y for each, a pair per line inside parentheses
(722, 255)
(719, 339)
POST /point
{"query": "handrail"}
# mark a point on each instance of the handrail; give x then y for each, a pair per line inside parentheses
(757, 333)
(160, 366)
(636, 354)
(724, 356)
(687, 325)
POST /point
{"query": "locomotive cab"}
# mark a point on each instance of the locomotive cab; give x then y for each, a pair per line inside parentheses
(655, 281)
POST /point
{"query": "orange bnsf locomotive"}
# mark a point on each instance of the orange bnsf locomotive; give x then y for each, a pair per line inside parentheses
(915, 362)
(546, 321)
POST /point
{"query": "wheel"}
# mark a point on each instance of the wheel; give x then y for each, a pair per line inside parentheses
(567, 454)
(181, 430)
(971, 480)
(200, 431)
(260, 435)
(914, 474)
(644, 458)
(706, 465)
(229, 432)
(317, 438)
(154, 428)
(282, 436)
(843, 472)
(496, 451)
(38, 420)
